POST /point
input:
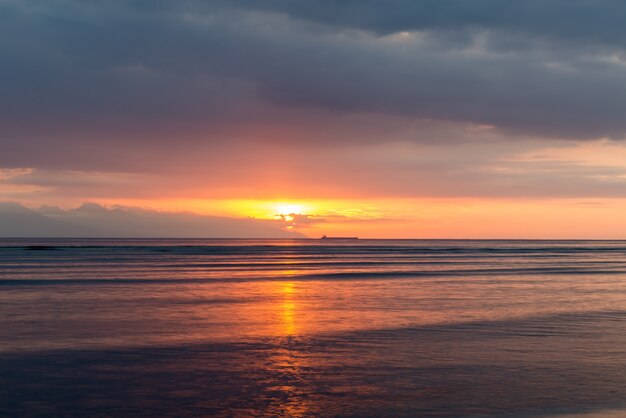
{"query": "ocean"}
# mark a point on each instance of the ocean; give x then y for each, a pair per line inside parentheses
(355, 328)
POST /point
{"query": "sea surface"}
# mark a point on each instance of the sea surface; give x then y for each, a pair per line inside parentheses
(356, 328)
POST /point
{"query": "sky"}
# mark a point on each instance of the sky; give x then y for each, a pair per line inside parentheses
(387, 119)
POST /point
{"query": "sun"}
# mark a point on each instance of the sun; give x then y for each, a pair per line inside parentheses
(289, 208)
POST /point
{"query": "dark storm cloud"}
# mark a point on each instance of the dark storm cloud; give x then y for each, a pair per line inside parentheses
(110, 78)
(595, 21)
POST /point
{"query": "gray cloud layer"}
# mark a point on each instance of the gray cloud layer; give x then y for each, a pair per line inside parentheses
(209, 89)
(133, 69)
(597, 21)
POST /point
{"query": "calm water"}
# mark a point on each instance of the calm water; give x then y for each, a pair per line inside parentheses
(312, 328)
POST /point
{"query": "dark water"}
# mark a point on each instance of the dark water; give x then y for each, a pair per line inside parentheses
(311, 328)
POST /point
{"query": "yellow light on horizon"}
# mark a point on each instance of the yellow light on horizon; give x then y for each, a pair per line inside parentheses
(289, 208)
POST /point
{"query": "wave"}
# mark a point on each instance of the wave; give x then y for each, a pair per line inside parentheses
(352, 276)
(323, 249)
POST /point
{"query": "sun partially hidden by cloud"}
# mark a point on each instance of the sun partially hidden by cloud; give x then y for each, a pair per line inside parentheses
(287, 211)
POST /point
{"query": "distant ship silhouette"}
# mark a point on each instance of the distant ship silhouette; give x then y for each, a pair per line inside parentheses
(325, 237)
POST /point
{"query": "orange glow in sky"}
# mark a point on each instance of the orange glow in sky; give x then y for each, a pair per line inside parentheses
(425, 218)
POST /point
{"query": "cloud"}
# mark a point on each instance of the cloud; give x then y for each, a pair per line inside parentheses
(578, 21)
(128, 73)
(487, 169)
(299, 220)
(92, 220)
(216, 99)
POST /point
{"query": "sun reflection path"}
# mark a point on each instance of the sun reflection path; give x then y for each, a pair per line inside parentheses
(292, 384)
(289, 326)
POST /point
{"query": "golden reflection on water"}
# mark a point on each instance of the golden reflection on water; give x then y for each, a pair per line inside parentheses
(288, 312)
(293, 384)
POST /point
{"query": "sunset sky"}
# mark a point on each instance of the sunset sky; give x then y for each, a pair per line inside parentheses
(394, 118)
